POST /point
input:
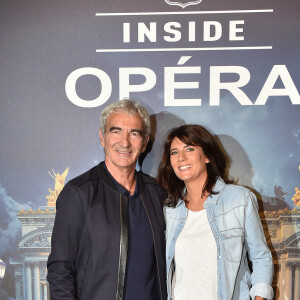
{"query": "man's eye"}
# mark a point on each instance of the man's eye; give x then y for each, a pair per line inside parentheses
(135, 134)
(116, 131)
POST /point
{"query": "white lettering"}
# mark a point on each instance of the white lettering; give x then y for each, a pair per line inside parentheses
(268, 89)
(70, 87)
(234, 87)
(171, 84)
(150, 33)
(233, 30)
(126, 32)
(207, 31)
(192, 31)
(169, 28)
(125, 88)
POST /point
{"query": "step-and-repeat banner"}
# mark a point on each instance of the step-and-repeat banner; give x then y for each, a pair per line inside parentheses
(232, 66)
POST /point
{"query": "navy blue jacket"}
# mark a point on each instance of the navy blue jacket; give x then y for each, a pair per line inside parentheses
(90, 237)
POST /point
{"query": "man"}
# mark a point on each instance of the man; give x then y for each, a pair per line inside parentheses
(108, 238)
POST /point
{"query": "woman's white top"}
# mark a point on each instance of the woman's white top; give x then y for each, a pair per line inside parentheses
(195, 260)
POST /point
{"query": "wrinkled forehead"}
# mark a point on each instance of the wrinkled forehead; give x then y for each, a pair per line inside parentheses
(123, 119)
(128, 111)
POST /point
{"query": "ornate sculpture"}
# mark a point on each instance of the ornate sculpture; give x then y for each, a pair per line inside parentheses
(296, 197)
(58, 186)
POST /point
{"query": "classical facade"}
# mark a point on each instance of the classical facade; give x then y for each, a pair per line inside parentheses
(33, 251)
(35, 245)
(282, 229)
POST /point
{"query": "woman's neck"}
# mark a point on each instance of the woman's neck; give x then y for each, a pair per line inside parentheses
(194, 196)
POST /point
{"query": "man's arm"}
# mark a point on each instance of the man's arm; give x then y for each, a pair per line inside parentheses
(66, 236)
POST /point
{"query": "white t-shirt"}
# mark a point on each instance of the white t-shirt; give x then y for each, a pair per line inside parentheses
(195, 260)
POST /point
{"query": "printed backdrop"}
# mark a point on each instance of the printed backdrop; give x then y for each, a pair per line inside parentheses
(232, 66)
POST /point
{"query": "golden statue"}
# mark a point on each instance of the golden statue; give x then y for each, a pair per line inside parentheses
(58, 186)
(296, 197)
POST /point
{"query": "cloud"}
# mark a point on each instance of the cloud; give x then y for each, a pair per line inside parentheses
(10, 226)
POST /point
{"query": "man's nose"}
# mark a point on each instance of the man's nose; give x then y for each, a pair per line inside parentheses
(125, 140)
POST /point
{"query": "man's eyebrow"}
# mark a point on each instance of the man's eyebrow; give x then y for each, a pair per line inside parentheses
(140, 132)
(114, 128)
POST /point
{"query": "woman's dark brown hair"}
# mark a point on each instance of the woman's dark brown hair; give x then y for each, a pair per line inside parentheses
(193, 135)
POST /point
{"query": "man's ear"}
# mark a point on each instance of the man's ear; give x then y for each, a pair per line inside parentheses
(145, 144)
(101, 138)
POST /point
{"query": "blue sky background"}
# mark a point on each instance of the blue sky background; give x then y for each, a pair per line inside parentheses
(42, 42)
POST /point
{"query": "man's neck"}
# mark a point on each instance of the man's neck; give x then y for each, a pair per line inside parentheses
(124, 176)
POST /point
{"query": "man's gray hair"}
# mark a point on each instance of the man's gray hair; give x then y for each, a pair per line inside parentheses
(130, 107)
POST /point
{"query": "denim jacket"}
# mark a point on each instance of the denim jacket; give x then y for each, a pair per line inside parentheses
(236, 226)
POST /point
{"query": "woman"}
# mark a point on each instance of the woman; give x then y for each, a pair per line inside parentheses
(212, 225)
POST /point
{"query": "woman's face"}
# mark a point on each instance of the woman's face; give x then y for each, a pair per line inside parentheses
(188, 162)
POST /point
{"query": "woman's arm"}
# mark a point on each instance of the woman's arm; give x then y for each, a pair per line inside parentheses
(259, 253)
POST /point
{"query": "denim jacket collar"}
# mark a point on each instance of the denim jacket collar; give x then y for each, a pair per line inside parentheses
(212, 199)
(218, 188)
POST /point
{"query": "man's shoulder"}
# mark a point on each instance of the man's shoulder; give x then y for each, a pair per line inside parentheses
(151, 183)
(93, 174)
(148, 179)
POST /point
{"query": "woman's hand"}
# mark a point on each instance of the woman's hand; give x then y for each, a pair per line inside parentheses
(259, 298)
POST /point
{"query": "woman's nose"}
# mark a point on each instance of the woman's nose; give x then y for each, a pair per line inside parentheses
(181, 156)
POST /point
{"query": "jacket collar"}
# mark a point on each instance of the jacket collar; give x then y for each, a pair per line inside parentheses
(106, 177)
(212, 199)
(218, 188)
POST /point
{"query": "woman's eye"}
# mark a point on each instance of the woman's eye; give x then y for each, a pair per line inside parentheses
(173, 152)
(189, 149)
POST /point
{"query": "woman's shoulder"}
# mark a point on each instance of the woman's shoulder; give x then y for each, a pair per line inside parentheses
(236, 194)
(236, 189)
(178, 207)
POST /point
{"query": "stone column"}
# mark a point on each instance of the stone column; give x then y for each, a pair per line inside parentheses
(281, 283)
(36, 282)
(288, 288)
(278, 281)
(18, 287)
(297, 282)
(28, 286)
(45, 291)
(24, 283)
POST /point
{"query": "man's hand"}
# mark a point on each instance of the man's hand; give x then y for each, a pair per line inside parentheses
(259, 298)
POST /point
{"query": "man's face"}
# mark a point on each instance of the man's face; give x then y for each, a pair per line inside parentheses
(123, 141)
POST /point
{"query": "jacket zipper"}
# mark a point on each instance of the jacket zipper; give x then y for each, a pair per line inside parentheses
(154, 249)
(120, 248)
(119, 293)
